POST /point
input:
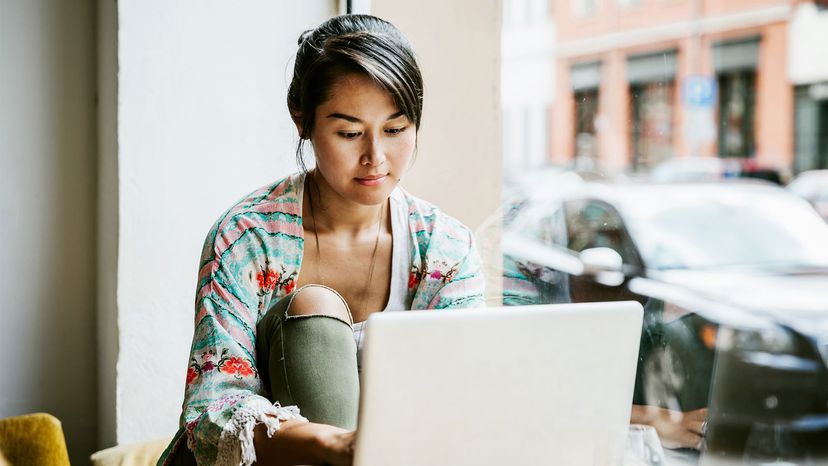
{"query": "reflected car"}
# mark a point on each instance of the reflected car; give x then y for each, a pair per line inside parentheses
(733, 277)
(812, 186)
(701, 169)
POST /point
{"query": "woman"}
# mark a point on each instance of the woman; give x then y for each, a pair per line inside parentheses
(289, 274)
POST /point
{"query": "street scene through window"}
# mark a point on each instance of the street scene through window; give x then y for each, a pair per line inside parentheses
(675, 153)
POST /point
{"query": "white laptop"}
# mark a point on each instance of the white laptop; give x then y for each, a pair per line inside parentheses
(523, 385)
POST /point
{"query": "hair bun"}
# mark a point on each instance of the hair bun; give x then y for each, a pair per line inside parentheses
(304, 36)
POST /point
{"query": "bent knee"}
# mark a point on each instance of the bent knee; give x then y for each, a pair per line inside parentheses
(317, 300)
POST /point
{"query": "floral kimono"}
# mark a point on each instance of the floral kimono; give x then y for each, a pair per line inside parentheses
(251, 257)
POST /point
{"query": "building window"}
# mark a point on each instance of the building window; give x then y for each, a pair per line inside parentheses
(586, 142)
(735, 63)
(736, 102)
(585, 79)
(652, 123)
(538, 11)
(582, 9)
(811, 127)
(652, 89)
(629, 3)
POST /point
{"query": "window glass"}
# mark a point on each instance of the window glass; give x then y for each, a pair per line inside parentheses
(687, 141)
(595, 224)
(548, 226)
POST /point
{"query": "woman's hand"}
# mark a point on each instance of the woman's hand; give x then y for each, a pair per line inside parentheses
(681, 430)
(675, 429)
(338, 447)
(301, 442)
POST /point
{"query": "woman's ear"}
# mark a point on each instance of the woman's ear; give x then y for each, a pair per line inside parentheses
(297, 120)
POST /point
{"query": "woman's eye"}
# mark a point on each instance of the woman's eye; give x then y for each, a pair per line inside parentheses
(349, 134)
(395, 130)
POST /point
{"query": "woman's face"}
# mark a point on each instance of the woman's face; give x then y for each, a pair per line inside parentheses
(363, 142)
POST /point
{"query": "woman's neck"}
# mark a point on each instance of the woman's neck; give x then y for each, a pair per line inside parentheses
(332, 213)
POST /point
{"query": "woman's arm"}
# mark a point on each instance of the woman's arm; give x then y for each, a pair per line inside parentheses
(224, 396)
(301, 442)
(675, 429)
(454, 276)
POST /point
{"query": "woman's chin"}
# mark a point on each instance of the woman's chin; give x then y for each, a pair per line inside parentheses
(371, 195)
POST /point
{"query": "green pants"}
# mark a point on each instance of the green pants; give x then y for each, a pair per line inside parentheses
(309, 361)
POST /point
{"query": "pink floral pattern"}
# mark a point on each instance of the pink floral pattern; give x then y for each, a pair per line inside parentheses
(228, 364)
(241, 274)
(237, 366)
(417, 274)
(192, 374)
(270, 280)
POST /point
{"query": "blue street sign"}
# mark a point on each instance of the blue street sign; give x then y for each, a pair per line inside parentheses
(699, 91)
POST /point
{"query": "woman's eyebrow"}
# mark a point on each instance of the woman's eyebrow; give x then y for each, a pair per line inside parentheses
(350, 118)
(354, 119)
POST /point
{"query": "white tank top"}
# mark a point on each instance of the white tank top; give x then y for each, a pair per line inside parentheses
(400, 263)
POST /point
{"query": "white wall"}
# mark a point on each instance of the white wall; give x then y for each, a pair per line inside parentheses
(458, 165)
(458, 48)
(527, 84)
(201, 121)
(47, 215)
(807, 36)
(192, 116)
(107, 264)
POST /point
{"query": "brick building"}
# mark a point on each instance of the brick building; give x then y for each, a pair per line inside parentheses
(640, 81)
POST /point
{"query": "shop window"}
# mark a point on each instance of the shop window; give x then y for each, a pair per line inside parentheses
(735, 63)
(652, 88)
(629, 3)
(585, 79)
(652, 123)
(811, 127)
(736, 104)
(583, 9)
(586, 111)
(823, 134)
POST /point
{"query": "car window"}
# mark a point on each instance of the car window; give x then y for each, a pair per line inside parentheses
(548, 225)
(596, 224)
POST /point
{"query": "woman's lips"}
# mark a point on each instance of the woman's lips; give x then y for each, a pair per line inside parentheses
(372, 180)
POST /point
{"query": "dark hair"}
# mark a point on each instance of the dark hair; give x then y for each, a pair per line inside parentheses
(352, 44)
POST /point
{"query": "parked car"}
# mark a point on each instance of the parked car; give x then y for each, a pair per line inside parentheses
(812, 186)
(731, 274)
(701, 169)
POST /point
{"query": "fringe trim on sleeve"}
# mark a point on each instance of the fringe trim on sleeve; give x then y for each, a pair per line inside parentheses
(235, 446)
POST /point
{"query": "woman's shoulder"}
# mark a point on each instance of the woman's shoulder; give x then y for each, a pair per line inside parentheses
(426, 218)
(282, 195)
(445, 269)
(274, 209)
(435, 231)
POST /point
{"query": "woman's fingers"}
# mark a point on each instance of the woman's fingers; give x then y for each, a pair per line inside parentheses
(694, 421)
(696, 427)
(341, 449)
(697, 415)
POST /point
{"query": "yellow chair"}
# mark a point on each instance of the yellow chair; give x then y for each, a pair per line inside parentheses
(35, 439)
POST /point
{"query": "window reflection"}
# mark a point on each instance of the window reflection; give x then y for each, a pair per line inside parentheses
(682, 121)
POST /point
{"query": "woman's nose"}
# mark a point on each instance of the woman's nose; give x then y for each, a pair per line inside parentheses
(374, 153)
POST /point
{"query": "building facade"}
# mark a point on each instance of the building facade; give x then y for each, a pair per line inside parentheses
(641, 81)
(527, 83)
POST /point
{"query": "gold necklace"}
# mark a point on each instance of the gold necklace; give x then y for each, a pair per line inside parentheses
(373, 254)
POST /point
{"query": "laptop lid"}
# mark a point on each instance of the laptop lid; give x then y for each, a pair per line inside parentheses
(549, 384)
